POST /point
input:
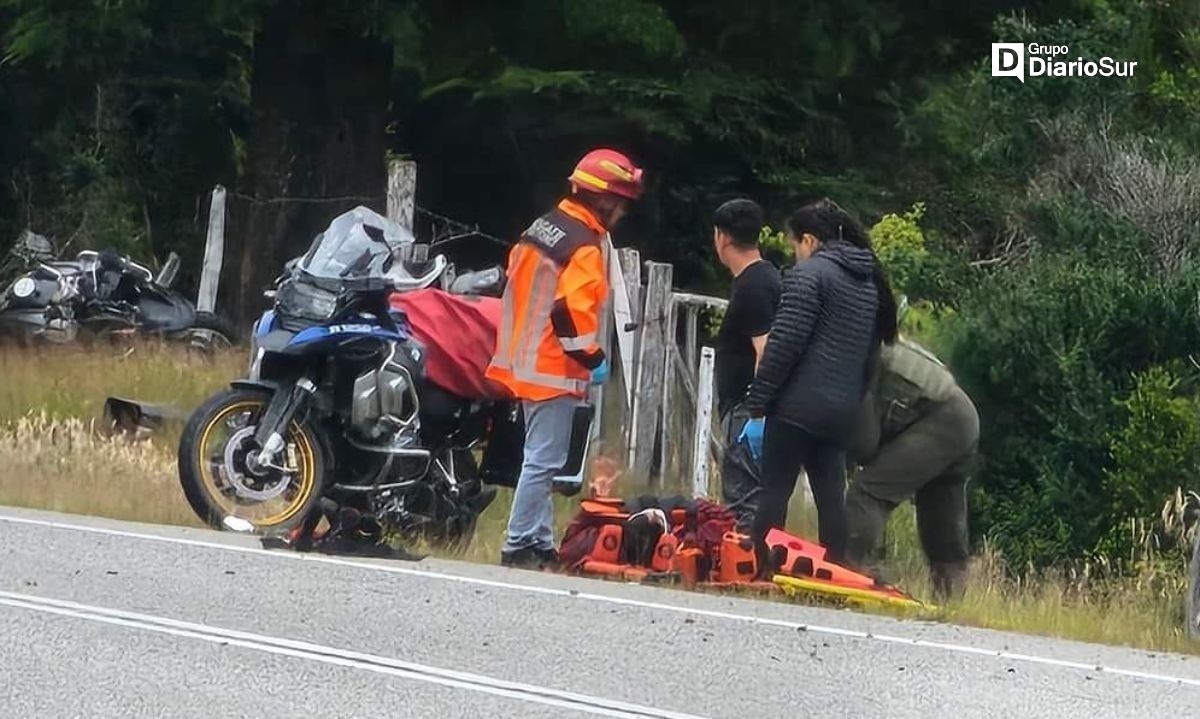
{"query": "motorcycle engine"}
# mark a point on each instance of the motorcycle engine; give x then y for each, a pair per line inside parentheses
(385, 398)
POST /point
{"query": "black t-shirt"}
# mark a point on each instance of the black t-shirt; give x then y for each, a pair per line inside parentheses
(752, 304)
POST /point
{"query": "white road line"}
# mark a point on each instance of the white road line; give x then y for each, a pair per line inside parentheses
(622, 601)
(330, 655)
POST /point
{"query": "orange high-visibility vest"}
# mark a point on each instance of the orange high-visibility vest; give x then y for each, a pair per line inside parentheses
(549, 339)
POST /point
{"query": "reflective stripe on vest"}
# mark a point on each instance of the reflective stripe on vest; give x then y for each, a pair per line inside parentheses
(519, 355)
(574, 386)
(577, 344)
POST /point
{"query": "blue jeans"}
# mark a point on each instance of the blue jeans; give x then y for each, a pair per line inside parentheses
(547, 444)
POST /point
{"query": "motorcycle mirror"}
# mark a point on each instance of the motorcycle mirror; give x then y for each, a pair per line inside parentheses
(448, 276)
(168, 273)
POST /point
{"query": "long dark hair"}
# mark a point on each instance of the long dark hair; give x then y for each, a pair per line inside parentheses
(828, 222)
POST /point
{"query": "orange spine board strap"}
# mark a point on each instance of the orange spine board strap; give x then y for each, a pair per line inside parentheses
(687, 562)
(608, 544)
(612, 569)
(604, 508)
(664, 553)
(737, 561)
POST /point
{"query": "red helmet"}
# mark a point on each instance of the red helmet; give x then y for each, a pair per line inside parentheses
(608, 171)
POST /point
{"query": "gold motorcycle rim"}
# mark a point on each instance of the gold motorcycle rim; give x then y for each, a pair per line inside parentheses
(298, 453)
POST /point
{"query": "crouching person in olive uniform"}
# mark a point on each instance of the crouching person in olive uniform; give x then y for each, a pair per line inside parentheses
(917, 434)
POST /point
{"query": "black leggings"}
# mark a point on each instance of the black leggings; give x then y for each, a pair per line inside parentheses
(787, 449)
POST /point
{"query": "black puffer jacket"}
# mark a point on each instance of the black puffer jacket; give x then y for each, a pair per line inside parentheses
(813, 371)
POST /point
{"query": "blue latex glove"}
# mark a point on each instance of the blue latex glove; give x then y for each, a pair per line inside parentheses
(600, 374)
(752, 435)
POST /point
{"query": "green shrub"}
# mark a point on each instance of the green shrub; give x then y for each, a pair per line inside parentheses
(1072, 224)
(1157, 448)
(1044, 349)
(775, 246)
(922, 320)
(900, 245)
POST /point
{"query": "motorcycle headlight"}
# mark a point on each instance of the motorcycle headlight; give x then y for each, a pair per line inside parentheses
(299, 299)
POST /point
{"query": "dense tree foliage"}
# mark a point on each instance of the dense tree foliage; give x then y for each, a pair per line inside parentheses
(127, 111)
(1051, 255)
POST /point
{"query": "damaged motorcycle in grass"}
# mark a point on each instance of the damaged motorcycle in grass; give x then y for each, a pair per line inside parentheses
(338, 419)
(104, 295)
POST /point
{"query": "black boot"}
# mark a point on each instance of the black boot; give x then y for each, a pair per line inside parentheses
(530, 558)
(949, 580)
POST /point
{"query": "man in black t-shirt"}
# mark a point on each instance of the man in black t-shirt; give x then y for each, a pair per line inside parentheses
(740, 342)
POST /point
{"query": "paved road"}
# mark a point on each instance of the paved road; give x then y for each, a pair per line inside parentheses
(111, 619)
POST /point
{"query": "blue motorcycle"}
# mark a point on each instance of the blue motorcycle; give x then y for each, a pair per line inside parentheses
(336, 419)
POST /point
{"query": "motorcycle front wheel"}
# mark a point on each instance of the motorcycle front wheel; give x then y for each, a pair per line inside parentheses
(226, 489)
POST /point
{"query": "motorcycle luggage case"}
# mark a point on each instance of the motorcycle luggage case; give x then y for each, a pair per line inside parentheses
(502, 458)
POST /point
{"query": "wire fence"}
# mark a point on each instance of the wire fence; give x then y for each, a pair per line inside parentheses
(429, 227)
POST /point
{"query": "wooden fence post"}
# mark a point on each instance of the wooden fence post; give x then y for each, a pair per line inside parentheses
(692, 338)
(651, 368)
(631, 267)
(214, 253)
(625, 313)
(605, 336)
(626, 277)
(704, 409)
(402, 192)
(667, 448)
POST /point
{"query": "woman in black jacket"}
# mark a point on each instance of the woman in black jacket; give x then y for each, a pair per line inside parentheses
(835, 309)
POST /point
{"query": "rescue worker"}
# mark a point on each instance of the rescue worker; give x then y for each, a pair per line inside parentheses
(917, 433)
(740, 343)
(548, 349)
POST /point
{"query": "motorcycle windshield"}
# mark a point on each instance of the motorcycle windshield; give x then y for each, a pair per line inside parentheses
(357, 248)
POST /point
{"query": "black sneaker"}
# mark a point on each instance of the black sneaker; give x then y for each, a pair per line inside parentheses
(530, 558)
(549, 558)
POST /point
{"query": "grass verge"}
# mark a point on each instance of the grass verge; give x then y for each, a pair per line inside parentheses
(51, 458)
(66, 466)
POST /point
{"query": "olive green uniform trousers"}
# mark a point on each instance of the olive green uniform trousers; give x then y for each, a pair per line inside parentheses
(927, 462)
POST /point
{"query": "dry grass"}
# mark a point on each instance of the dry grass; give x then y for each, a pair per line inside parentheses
(64, 465)
(73, 382)
(1125, 611)
(1141, 609)
(51, 457)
